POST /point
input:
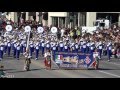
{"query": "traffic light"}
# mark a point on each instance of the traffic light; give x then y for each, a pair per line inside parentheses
(45, 16)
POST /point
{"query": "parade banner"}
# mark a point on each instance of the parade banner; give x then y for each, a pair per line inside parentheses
(73, 60)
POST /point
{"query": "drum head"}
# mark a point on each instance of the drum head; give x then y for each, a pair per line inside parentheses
(40, 29)
(8, 28)
(54, 30)
(27, 28)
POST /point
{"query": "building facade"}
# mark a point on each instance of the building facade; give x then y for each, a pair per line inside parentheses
(57, 19)
(65, 19)
(114, 17)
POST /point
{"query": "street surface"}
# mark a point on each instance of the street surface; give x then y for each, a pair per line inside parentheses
(14, 69)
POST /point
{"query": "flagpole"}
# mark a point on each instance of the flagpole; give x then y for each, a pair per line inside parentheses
(53, 60)
(27, 48)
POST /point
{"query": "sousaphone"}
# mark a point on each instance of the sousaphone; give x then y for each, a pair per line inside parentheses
(40, 29)
(54, 30)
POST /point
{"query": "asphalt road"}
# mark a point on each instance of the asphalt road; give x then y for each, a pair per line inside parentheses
(14, 69)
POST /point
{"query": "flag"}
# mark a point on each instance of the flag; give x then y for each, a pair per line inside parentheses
(59, 57)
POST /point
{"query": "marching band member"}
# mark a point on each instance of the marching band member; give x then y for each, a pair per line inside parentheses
(73, 47)
(97, 44)
(79, 44)
(83, 47)
(12, 45)
(109, 50)
(67, 39)
(57, 45)
(22, 46)
(36, 50)
(51, 44)
(48, 45)
(88, 47)
(65, 47)
(76, 47)
(31, 48)
(40, 44)
(92, 47)
(61, 45)
(43, 47)
(104, 48)
(18, 50)
(14, 49)
(1, 50)
(54, 48)
(5, 46)
(9, 47)
(100, 47)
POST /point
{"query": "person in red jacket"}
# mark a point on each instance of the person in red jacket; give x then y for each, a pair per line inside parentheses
(47, 60)
(96, 56)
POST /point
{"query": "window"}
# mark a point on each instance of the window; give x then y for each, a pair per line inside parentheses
(32, 13)
(61, 21)
(82, 19)
(45, 16)
(24, 16)
(55, 21)
(58, 21)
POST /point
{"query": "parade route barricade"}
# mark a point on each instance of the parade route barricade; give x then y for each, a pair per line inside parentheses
(69, 60)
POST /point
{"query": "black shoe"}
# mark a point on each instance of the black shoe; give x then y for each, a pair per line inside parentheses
(28, 70)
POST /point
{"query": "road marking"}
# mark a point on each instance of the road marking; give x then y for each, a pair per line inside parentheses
(62, 72)
(115, 63)
(110, 74)
(42, 66)
(112, 63)
(38, 63)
